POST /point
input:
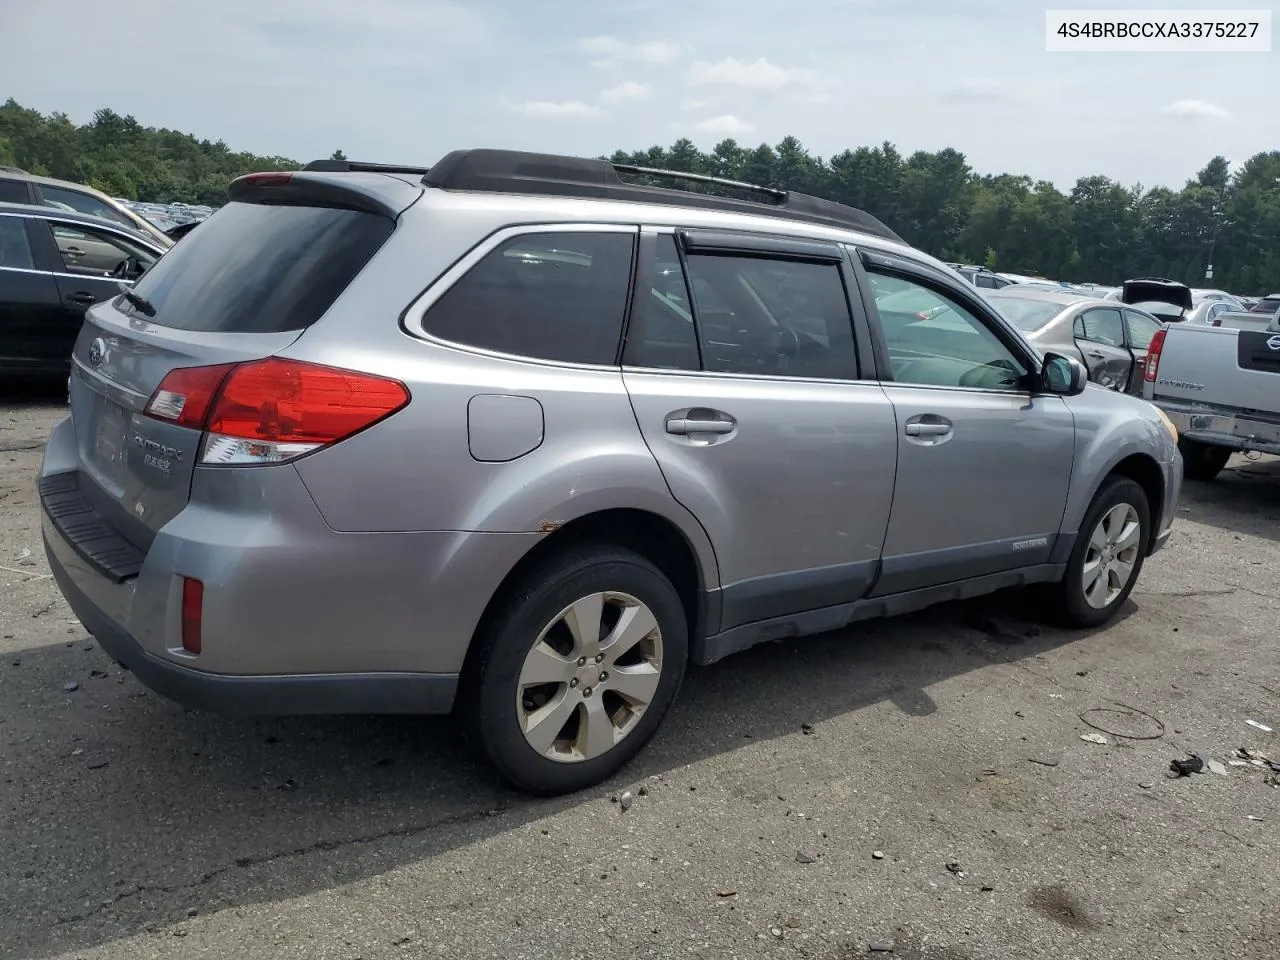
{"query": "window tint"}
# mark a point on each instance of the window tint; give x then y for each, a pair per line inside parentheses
(258, 268)
(14, 191)
(84, 203)
(1141, 330)
(986, 281)
(943, 344)
(776, 317)
(1102, 326)
(97, 253)
(15, 248)
(662, 333)
(548, 296)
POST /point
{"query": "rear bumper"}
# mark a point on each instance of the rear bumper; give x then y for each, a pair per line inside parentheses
(297, 618)
(244, 696)
(1232, 429)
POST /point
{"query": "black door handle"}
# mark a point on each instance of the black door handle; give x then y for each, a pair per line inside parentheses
(80, 296)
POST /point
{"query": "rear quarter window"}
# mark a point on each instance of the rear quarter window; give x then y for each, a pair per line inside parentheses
(262, 268)
(546, 296)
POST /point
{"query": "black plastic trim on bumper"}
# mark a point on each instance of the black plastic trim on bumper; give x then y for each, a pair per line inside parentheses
(256, 696)
(88, 534)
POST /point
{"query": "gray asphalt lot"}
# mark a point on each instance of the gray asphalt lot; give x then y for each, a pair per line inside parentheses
(132, 828)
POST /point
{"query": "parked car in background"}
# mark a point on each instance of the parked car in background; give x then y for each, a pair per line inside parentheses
(1199, 295)
(1166, 300)
(605, 388)
(1206, 311)
(1220, 385)
(983, 278)
(1267, 304)
(53, 265)
(1109, 339)
(27, 188)
(176, 233)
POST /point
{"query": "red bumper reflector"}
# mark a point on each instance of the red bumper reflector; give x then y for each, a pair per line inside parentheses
(192, 607)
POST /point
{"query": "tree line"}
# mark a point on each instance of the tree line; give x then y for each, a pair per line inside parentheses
(1100, 230)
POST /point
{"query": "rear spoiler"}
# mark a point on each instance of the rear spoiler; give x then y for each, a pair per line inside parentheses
(388, 198)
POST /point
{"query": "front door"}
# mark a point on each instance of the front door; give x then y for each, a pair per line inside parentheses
(1100, 336)
(744, 377)
(983, 463)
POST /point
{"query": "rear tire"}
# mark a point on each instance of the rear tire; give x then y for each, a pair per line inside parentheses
(1108, 556)
(556, 704)
(1202, 461)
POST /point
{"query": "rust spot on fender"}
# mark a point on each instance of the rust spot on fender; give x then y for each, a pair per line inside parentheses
(550, 526)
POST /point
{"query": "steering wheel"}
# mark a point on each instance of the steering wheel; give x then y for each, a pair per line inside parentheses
(126, 269)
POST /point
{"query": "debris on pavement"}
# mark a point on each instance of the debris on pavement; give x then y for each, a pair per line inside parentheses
(1094, 738)
(97, 763)
(626, 800)
(1247, 757)
(776, 931)
(955, 868)
(726, 893)
(879, 946)
(1043, 761)
(802, 857)
(1216, 767)
(25, 558)
(806, 729)
(70, 687)
(877, 854)
(1261, 726)
(1257, 819)
(1185, 767)
(1124, 722)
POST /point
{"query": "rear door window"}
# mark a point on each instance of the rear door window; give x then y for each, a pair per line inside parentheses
(260, 268)
(1101, 326)
(15, 247)
(14, 191)
(547, 296)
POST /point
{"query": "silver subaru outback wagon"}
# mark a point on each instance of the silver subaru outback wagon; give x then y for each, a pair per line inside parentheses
(520, 436)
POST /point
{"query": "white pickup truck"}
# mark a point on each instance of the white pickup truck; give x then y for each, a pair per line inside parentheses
(1221, 388)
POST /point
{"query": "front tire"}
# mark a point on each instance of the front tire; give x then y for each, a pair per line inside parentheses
(575, 669)
(1108, 555)
(1202, 461)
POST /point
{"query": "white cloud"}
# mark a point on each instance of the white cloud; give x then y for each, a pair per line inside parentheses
(695, 105)
(761, 75)
(726, 125)
(627, 90)
(553, 109)
(655, 52)
(1195, 110)
(978, 90)
(605, 64)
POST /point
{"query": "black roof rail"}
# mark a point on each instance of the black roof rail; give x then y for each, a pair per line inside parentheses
(356, 166)
(517, 172)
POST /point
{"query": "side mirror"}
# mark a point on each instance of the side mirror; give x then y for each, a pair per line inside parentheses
(1063, 375)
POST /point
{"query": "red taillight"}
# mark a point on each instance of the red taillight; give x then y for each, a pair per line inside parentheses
(1153, 356)
(192, 609)
(273, 410)
(184, 395)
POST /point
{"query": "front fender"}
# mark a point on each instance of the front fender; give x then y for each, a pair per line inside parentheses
(1110, 428)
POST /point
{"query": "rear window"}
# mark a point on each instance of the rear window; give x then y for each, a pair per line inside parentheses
(260, 268)
(547, 296)
(1027, 315)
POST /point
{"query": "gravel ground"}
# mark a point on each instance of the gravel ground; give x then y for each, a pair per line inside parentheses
(919, 784)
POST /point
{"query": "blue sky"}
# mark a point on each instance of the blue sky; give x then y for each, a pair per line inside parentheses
(408, 80)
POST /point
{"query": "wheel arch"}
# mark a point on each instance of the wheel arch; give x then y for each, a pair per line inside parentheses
(1144, 470)
(653, 536)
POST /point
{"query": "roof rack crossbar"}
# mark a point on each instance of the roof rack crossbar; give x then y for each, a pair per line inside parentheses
(778, 195)
(356, 166)
(540, 174)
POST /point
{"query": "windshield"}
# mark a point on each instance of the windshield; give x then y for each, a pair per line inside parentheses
(1027, 315)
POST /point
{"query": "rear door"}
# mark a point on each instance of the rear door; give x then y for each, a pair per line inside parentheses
(1140, 330)
(241, 288)
(32, 327)
(744, 373)
(983, 463)
(1099, 333)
